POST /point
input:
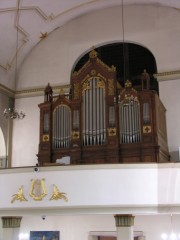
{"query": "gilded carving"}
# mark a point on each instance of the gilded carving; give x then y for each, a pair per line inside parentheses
(146, 129)
(38, 189)
(93, 72)
(75, 135)
(43, 35)
(100, 83)
(45, 137)
(110, 69)
(111, 132)
(93, 54)
(76, 73)
(38, 192)
(76, 91)
(56, 195)
(19, 196)
(86, 85)
(110, 86)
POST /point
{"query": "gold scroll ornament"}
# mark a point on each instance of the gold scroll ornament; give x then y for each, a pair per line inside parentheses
(19, 196)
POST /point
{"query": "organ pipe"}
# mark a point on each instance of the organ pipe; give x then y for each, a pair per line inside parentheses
(61, 127)
(94, 123)
(130, 124)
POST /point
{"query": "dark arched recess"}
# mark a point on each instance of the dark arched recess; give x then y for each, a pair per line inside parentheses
(130, 61)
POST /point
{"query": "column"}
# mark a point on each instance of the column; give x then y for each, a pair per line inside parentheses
(11, 226)
(124, 225)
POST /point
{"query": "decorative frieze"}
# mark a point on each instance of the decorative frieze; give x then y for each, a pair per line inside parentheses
(125, 220)
(11, 222)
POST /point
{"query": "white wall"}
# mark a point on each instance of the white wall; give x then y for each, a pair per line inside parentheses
(169, 94)
(157, 28)
(80, 226)
(26, 133)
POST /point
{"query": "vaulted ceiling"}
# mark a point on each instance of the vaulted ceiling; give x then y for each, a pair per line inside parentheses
(23, 23)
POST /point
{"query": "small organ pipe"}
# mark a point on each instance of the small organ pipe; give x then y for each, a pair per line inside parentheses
(61, 127)
(130, 126)
(98, 117)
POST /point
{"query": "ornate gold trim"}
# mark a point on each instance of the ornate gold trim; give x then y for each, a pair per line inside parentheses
(30, 92)
(7, 90)
(167, 73)
(166, 76)
(76, 73)
(93, 72)
(110, 87)
(110, 69)
(147, 129)
(112, 132)
(75, 135)
(76, 90)
(45, 138)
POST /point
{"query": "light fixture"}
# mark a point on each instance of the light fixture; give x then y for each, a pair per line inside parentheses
(123, 41)
(172, 235)
(117, 99)
(11, 112)
(23, 236)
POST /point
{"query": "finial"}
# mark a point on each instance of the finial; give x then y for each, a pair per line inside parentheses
(93, 53)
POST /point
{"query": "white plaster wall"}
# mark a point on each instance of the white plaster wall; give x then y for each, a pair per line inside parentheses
(157, 28)
(25, 138)
(169, 94)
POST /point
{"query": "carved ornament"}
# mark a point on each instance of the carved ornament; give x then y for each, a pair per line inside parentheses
(38, 189)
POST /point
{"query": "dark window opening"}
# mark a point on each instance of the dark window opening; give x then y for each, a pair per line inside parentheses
(130, 61)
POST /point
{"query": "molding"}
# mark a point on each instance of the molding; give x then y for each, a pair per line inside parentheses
(39, 91)
(31, 92)
(87, 210)
(7, 91)
(34, 92)
(57, 168)
(112, 233)
(11, 222)
(124, 220)
(166, 76)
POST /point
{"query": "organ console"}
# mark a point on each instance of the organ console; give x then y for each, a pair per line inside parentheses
(100, 121)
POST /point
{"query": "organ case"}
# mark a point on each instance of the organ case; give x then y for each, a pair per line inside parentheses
(98, 121)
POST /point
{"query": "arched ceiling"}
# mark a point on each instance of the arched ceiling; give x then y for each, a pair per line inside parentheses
(30, 21)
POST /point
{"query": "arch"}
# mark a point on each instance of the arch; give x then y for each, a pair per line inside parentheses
(130, 60)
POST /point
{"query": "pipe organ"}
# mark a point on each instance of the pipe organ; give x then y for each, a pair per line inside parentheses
(102, 122)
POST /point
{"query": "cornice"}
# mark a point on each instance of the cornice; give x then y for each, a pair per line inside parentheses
(169, 75)
(7, 91)
(31, 92)
(39, 91)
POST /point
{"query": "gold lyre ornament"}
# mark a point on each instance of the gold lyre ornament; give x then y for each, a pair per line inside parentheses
(38, 189)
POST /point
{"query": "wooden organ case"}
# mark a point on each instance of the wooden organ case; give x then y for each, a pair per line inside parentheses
(101, 122)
